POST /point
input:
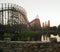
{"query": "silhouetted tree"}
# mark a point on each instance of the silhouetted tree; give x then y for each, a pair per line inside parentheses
(58, 30)
(2, 30)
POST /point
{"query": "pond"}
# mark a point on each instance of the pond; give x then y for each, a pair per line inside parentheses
(47, 38)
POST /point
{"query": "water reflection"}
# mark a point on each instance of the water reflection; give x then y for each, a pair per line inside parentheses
(47, 37)
(56, 36)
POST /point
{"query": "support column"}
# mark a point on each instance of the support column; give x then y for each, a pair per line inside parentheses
(2, 15)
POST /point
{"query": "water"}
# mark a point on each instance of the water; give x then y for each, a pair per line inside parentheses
(57, 37)
(46, 37)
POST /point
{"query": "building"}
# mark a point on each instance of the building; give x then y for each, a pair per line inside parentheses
(35, 24)
(46, 24)
(12, 14)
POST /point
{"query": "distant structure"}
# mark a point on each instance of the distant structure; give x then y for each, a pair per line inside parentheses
(45, 25)
(48, 23)
(35, 24)
(12, 14)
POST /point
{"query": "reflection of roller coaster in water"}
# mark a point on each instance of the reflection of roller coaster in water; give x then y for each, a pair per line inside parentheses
(12, 14)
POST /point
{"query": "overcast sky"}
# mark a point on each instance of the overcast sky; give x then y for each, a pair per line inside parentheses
(46, 9)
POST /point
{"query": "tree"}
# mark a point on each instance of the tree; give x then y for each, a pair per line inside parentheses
(2, 30)
(58, 29)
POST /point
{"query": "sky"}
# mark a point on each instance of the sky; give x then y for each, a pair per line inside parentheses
(45, 9)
